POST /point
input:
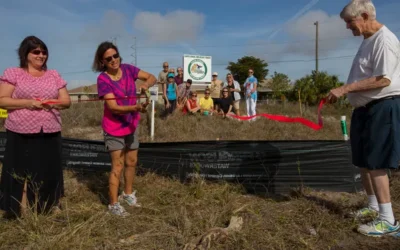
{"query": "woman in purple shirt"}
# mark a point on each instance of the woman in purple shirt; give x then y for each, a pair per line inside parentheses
(116, 84)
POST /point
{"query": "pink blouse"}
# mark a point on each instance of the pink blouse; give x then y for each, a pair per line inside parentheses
(27, 121)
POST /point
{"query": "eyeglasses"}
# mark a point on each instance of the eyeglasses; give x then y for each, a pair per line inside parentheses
(38, 51)
(207, 93)
(109, 59)
(225, 91)
(194, 95)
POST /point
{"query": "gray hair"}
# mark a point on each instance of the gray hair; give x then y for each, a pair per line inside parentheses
(357, 7)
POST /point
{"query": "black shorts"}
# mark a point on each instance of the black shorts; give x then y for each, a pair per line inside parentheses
(375, 135)
(216, 101)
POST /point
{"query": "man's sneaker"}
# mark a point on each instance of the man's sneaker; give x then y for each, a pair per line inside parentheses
(117, 209)
(364, 213)
(378, 227)
(130, 199)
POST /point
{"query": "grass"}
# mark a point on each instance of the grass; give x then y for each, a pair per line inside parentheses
(84, 121)
(174, 214)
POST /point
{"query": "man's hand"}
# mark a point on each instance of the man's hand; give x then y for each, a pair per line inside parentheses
(335, 94)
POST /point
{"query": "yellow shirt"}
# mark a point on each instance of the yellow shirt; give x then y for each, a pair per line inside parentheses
(206, 104)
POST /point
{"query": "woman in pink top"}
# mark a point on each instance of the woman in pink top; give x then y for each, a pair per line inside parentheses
(116, 84)
(32, 160)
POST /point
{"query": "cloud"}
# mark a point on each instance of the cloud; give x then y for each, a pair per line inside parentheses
(111, 25)
(179, 25)
(303, 10)
(332, 33)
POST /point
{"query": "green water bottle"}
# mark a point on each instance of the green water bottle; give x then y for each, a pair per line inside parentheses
(344, 127)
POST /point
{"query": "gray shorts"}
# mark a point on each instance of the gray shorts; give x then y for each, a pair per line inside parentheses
(130, 141)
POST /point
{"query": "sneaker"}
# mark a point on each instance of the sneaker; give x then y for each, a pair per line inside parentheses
(364, 213)
(378, 227)
(117, 209)
(130, 199)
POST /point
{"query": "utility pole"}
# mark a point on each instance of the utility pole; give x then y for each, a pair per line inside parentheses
(134, 54)
(316, 47)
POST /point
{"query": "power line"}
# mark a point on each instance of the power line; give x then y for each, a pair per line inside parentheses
(222, 64)
(267, 53)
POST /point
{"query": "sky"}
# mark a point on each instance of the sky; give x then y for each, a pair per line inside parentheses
(280, 32)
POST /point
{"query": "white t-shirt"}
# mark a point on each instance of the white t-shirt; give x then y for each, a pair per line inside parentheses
(379, 55)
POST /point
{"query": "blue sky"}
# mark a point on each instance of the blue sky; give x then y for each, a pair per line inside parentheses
(280, 32)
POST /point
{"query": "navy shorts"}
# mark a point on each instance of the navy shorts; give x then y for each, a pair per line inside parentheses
(375, 135)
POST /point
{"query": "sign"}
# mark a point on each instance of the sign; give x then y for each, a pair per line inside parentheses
(197, 68)
(3, 113)
(154, 93)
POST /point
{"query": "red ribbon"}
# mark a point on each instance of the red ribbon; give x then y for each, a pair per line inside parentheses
(279, 118)
(92, 100)
(282, 118)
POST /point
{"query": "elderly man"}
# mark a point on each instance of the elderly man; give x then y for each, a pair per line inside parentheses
(162, 78)
(373, 89)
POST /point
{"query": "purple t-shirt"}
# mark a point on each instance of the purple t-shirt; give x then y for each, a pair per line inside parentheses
(120, 124)
(178, 80)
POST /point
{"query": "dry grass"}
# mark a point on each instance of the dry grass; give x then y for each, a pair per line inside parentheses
(174, 214)
(84, 121)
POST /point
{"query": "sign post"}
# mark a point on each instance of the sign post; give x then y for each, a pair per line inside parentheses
(154, 98)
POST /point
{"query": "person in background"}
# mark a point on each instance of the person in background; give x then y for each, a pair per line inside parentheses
(206, 104)
(234, 92)
(170, 94)
(191, 106)
(32, 172)
(373, 89)
(162, 78)
(225, 103)
(215, 89)
(115, 82)
(179, 77)
(251, 94)
(183, 93)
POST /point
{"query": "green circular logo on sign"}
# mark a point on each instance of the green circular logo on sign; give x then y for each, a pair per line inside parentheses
(197, 69)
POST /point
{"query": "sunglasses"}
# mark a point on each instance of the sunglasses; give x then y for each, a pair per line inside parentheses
(38, 51)
(207, 93)
(165, 66)
(109, 59)
(194, 95)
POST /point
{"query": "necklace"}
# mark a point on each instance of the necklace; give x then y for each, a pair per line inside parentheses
(117, 76)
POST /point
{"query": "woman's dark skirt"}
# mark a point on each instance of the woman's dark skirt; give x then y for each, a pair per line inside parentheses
(35, 158)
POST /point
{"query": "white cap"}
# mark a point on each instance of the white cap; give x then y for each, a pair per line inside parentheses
(215, 74)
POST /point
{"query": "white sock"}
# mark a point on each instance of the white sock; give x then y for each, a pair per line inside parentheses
(386, 212)
(373, 202)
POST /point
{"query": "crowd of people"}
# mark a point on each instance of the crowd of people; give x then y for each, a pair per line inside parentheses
(220, 97)
(33, 95)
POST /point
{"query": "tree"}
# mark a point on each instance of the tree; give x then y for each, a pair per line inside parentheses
(315, 87)
(280, 85)
(241, 68)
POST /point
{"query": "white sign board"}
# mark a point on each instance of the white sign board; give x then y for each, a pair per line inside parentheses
(197, 68)
(154, 93)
